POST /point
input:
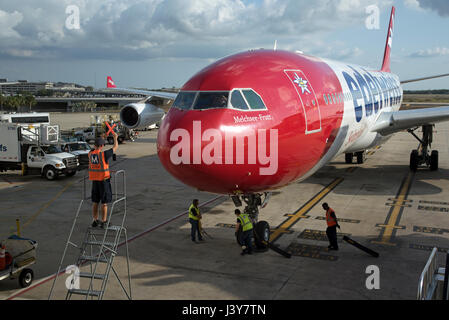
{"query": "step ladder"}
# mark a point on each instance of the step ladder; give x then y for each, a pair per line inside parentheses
(98, 248)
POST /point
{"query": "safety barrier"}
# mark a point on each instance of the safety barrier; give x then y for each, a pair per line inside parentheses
(433, 280)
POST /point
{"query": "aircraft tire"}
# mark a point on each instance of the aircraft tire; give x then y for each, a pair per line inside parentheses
(262, 234)
(414, 160)
(434, 160)
(348, 158)
(360, 157)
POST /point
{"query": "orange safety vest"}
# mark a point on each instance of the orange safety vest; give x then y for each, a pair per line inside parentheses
(98, 167)
(331, 222)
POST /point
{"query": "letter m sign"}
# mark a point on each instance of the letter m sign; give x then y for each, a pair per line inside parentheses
(94, 159)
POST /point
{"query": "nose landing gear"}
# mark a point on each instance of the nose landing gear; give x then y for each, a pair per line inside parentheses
(261, 229)
(422, 155)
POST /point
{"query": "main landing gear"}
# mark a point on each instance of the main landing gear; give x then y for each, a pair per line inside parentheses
(360, 156)
(422, 155)
(261, 229)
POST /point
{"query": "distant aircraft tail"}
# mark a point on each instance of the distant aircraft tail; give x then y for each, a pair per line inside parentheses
(386, 62)
(110, 83)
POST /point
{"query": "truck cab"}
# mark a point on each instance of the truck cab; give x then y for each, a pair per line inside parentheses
(50, 161)
(80, 149)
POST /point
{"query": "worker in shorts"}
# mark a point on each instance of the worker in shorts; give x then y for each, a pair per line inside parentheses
(100, 176)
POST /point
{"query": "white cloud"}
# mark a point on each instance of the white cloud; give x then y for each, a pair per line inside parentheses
(433, 52)
(440, 6)
(7, 23)
(137, 29)
(413, 4)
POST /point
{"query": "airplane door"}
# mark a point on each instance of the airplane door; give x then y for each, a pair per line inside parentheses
(307, 98)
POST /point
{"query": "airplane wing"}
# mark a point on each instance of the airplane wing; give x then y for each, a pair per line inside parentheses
(159, 94)
(425, 78)
(110, 84)
(391, 122)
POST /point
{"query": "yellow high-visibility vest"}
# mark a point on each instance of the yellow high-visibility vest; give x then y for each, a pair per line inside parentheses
(191, 216)
(245, 221)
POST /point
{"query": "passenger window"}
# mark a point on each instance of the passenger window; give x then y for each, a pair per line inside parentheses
(211, 100)
(329, 98)
(325, 98)
(237, 101)
(254, 100)
(184, 100)
(333, 96)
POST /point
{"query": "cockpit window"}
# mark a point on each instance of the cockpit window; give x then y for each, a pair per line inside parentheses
(238, 101)
(184, 100)
(211, 100)
(254, 100)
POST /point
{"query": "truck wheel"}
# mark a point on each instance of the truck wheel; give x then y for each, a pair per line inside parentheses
(50, 173)
(262, 234)
(120, 140)
(70, 173)
(26, 278)
(110, 140)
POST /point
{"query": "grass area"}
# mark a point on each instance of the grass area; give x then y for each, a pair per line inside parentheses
(434, 98)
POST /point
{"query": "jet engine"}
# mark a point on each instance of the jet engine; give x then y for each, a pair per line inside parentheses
(140, 115)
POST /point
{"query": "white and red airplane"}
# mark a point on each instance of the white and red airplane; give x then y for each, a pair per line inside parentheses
(259, 120)
(143, 114)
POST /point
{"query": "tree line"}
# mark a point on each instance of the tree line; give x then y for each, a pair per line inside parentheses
(14, 103)
(440, 91)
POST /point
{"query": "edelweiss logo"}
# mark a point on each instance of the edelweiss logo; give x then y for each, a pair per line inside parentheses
(303, 84)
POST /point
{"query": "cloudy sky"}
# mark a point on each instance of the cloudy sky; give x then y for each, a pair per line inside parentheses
(162, 43)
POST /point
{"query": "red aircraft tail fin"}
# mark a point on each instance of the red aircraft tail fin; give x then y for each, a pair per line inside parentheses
(386, 62)
(110, 83)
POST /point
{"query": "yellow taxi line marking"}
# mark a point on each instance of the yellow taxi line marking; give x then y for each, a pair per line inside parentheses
(46, 205)
(301, 213)
(392, 220)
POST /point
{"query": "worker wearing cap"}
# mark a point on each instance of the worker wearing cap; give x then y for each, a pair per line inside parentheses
(246, 236)
(332, 226)
(100, 176)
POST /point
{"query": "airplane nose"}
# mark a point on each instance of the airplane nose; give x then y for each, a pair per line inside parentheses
(193, 147)
(180, 150)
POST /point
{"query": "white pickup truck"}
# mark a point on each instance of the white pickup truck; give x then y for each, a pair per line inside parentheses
(20, 150)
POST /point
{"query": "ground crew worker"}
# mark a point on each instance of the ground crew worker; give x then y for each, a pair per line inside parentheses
(246, 237)
(100, 176)
(332, 226)
(194, 218)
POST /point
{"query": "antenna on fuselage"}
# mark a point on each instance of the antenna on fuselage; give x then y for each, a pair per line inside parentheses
(275, 45)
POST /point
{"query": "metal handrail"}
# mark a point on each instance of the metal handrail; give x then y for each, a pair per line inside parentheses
(446, 279)
(119, 197)
(427, 276)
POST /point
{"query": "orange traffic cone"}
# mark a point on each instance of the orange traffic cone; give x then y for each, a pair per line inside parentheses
(2, 257)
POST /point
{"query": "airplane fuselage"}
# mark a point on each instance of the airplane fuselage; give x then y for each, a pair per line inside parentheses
(286, 116)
